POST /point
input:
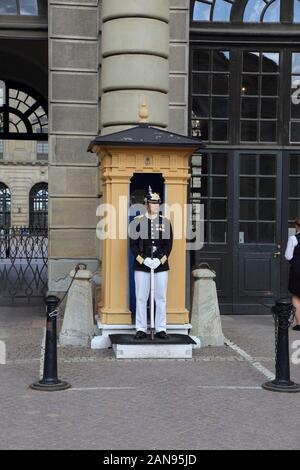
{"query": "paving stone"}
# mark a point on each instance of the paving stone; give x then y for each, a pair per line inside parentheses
(212, 401)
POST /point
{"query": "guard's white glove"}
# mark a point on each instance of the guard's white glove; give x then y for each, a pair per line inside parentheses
(156, 263)
(148, 262)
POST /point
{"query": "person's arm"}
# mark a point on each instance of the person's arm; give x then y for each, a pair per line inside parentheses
(167, 245)
(135, 240)
(136, 243)
(289, 252)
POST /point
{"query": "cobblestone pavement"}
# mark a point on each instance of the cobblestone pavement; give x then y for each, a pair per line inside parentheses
(213, 401)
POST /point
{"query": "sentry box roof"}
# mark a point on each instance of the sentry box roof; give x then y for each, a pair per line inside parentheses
(144, 135)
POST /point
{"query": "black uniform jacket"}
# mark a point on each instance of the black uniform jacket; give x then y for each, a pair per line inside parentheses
(146, 233)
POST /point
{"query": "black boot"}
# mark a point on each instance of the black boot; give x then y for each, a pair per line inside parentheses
(161, 335)
(140, 335)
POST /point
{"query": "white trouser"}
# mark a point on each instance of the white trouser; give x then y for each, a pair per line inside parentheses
(142, 291)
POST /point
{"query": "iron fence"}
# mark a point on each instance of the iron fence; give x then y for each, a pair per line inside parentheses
(23, 264)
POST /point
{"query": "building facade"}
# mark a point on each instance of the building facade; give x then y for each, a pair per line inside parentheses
(225, 70)
(244, 89)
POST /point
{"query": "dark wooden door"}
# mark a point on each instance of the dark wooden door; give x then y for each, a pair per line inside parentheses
(257, 247)
(245, 210)
(211, 185)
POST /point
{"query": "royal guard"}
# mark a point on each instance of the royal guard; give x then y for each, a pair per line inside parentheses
(151, 240)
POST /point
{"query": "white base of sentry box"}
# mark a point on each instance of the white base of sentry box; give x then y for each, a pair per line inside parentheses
(175, 351)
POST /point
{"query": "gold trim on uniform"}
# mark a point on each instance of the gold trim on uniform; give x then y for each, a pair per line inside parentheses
(140, 259)
(163, 260)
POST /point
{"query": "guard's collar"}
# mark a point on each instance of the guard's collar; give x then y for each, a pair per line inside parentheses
(151, 217)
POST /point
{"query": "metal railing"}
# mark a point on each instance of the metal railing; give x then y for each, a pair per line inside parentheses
(23, 264)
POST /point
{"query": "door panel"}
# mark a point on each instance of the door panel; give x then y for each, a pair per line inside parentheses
(257, 274)
(211, 183)
(248, 251)
(258, 236)
(221, 263)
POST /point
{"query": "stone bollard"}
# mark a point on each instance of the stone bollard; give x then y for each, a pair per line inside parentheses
(78, 325)
(206, 321)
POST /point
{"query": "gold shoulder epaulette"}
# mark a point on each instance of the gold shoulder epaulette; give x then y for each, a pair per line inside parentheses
(139, 216)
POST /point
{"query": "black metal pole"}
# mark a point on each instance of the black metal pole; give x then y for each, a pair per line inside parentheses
(283, 313)
(50, 381)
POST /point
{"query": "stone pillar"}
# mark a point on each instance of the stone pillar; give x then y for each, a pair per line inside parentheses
(78, 326)
(73, 120)
(206, 320)
(179, 65)
(135, 66)
(179, 82)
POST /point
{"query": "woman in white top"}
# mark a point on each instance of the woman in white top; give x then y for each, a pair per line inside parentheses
(292, 254)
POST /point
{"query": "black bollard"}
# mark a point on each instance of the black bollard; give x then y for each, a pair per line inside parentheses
(50, 381)
(283, 315)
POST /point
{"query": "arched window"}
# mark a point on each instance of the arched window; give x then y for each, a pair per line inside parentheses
(5, 205)
(23, 115)
(19, 7)
(212, 10)
(248, 11)
(38, 206)
(262, 11)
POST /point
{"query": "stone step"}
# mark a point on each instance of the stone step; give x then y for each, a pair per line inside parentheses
(176, 347)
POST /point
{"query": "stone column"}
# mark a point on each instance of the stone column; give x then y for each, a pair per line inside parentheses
(135, 66)
(73, 120)
(206, 320)
(179, 82)
(78, 326)
(179, 65)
